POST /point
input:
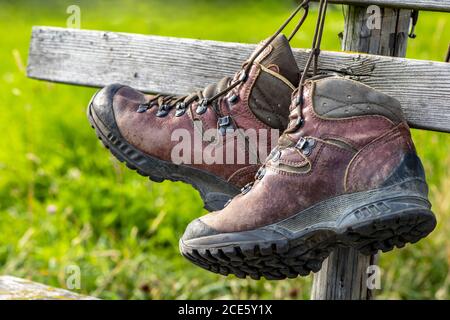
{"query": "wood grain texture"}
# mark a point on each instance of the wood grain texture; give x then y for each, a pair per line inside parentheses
(344, 274)
(390, 38)
(178, 66)
(343, 277)
(12, 288)
(427, 5)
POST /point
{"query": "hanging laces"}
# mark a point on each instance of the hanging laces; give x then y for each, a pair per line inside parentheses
(304, 145)
(313, 59)
(166, 102)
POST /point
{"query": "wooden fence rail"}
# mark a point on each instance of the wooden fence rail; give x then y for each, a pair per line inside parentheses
(178, 66)
(427, 5)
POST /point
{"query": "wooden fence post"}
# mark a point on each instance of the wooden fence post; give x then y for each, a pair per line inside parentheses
(344, 273)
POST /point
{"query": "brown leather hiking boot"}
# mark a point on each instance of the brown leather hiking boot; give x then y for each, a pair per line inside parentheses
(346, 174)
(144, 130)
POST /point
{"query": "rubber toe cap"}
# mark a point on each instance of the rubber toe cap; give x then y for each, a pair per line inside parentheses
(102, 104)
(198, 229)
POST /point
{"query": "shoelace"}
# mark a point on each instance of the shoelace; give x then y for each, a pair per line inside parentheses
(167, 102)
(303, 145)
(312, 59)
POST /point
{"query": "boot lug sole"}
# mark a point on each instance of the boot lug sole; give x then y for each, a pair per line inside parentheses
(277, 252)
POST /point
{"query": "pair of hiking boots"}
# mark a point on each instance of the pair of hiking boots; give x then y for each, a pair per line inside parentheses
(344, 171)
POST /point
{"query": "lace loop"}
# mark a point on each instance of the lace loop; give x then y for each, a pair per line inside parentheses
(169, 101)
(202, 106)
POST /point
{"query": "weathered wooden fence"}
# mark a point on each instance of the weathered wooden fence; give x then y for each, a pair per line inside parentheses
(430, 5)
(12, 288)
(177, 66)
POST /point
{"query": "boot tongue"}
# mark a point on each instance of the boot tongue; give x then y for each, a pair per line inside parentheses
(280, 55)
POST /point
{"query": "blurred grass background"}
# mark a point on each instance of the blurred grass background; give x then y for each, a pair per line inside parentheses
(64, 201)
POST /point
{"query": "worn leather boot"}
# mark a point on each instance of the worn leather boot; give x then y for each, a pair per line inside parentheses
(345, 172)
(139, 129)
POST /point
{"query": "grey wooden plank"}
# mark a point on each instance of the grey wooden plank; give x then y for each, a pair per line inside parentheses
(390, 39)
(343, 277)
(427, 5)
(12, 288)
(178, 66)
(344, 273)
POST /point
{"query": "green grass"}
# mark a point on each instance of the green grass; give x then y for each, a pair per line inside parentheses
(64, 200)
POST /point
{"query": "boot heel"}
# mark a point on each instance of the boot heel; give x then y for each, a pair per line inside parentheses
(388, 223)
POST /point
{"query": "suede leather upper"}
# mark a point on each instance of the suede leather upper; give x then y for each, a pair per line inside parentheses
(262, 104)
(356, 151)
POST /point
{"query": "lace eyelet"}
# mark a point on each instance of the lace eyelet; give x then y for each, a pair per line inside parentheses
(163, 111)
(233, 99)
(180, 112)
(307, 151)
(302, 143)
(246, 189)
(306, 145)
(276, 156)
(143, 108)
(261, 173)
(180, 109)
(298, 124)
(202, 107)
(243, 76)
(225, 124)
